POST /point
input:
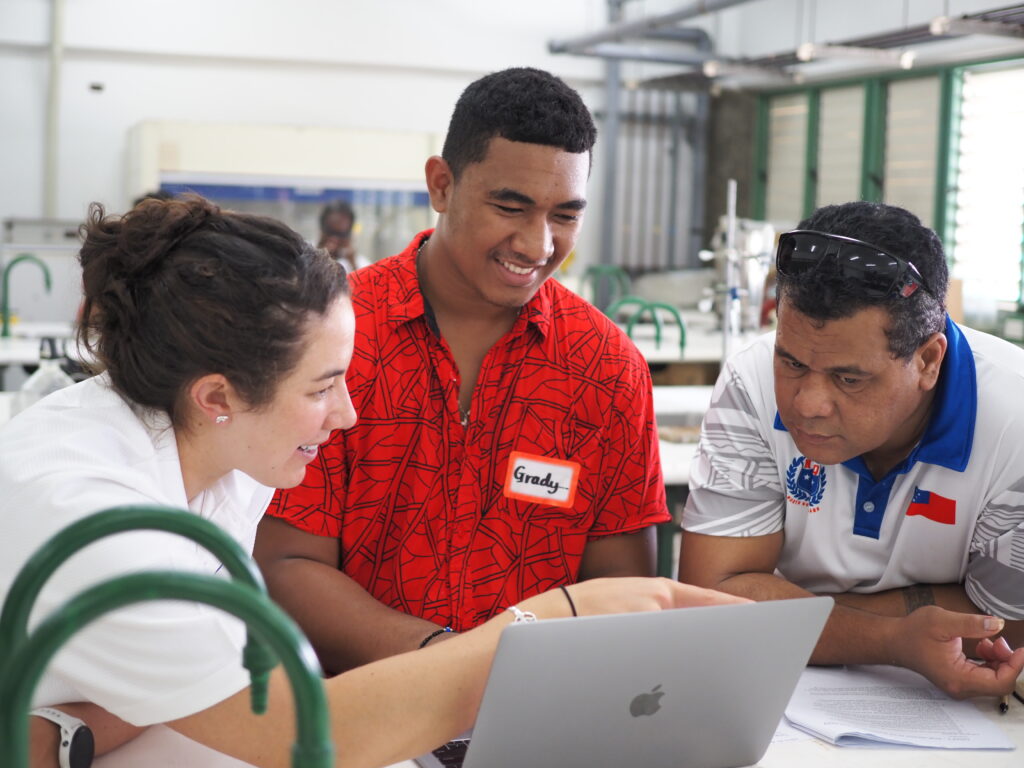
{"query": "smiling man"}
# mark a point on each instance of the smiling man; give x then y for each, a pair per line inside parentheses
(506, 440)
(870, 449)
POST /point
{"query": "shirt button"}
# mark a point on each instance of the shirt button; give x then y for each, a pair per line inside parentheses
(869, 506)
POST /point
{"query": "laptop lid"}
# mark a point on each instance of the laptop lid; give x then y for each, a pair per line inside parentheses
(697, 687)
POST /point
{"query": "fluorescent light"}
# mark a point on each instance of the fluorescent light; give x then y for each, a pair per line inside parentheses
(943, 25)
(718, 68)
(818, 51)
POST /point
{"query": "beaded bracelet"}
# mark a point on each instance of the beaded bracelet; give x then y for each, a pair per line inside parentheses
(434, 634)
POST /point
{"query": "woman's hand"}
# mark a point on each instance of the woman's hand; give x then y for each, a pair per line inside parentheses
(108, 732)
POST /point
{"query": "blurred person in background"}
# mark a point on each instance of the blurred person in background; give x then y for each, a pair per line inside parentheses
(337, 227)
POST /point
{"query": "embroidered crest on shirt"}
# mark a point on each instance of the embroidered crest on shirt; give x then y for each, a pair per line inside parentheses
(931, 505)
(805, 483)
(541, 479)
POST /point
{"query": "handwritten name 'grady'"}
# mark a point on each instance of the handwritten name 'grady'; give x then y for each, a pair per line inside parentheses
(545, 481)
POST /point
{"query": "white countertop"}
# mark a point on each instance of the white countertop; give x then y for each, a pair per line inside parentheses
(6, 399)
(22, 346)
(675, 461)
(703, 340)
(161, 746)
(19, 351)
(676, 401)
(682, 406)
(38, 329)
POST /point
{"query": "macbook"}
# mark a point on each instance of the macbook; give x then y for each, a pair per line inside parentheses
(694, 687)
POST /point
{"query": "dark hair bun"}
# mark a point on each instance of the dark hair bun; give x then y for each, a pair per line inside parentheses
(176, 289)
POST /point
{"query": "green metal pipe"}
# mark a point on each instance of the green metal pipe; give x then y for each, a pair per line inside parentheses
(651, 308)
(655, 318)
(872, 179)
(674, 314)
(24, 667)
(811, 151)
(625, 301)
(948, 152)
(258, 659)
(759, 193)
(606, 278)
(5, 290)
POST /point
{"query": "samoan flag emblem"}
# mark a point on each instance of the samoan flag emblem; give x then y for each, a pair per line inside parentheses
(931, 505)
(805, 483)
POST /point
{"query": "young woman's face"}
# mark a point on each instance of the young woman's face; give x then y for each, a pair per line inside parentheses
(276, 442)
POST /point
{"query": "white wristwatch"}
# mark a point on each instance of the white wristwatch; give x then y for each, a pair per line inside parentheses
(76, 742)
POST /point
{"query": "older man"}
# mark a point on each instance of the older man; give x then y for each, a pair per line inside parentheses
(870, 449)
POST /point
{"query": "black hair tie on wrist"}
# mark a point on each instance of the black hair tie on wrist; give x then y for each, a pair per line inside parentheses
(568, 597)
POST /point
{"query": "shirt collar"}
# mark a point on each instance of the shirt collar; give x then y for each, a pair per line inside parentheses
(406, 301)
(949, 436)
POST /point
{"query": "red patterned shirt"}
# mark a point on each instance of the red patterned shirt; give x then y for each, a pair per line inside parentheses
(454, 523)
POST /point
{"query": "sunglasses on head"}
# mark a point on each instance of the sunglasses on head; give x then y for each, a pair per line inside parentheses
(877, 273)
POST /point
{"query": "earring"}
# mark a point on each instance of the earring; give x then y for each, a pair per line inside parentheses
(220, 419)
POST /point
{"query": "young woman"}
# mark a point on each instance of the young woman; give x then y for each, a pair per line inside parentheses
(225, 339)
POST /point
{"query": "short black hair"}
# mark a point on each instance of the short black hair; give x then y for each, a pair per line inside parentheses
(518, 104)
(823, 295)
(337, 206)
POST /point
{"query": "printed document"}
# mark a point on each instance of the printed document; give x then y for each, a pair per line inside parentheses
(887, 705)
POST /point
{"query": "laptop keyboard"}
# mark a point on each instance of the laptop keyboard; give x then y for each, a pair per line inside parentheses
(452, 754)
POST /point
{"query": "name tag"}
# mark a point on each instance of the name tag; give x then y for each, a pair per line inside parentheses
(541, 480)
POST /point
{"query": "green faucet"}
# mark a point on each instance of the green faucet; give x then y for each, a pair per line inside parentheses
(257, 657)
(651, 308)
(5, 292)
(20, 675)
(616, 277)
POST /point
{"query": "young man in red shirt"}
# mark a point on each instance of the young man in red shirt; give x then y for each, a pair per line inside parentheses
(506, 441)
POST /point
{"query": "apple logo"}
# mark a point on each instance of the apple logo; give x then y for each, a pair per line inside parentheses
(646, 703)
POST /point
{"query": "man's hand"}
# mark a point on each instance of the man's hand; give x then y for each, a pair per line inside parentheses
(930, 641)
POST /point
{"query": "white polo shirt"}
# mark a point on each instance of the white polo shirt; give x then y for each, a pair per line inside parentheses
(82, 450)
(951, 512)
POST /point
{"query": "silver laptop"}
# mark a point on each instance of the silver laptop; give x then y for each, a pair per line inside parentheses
(695, 687)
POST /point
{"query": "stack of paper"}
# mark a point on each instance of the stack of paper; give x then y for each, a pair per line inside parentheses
(888, 705)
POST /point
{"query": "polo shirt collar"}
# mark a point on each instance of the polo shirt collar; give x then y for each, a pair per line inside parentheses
(406, 300)
(949, 436)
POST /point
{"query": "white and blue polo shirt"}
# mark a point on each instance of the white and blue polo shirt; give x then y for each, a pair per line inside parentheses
(951, 512)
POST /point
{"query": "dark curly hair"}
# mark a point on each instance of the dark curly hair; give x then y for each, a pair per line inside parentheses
(518, 104)
(822, 295)
(176, 289)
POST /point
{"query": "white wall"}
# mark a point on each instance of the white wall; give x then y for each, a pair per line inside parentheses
(373, 64)
(365, 64)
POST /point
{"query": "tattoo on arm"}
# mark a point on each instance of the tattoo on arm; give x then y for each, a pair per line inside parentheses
(916, 596)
